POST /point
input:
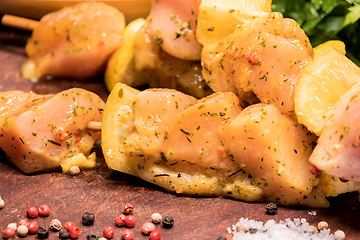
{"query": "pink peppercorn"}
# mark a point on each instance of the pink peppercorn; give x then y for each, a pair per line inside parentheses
(69, 225)
(148, 228)
(127, 234)
(130, 221)
(120, 220)
(8, 233)
(314, 170)
(23, 222)
(128, 208)
(33, 227)
(32, 212)
(44, 211)
(74, 232)
(156, 235)
(343, 180)
(108, 232)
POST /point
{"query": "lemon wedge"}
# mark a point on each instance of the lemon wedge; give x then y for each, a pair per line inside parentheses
(121, 65)
(324, 79)
(218, 19)
(117, 124)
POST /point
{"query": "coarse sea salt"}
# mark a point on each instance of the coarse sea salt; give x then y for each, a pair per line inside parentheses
(298, 229)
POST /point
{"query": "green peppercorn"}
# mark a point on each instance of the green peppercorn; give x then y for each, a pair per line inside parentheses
(271, 208)
(92, 236)
(88, 219)
(42, 232)
(64, 234)
(168, 222)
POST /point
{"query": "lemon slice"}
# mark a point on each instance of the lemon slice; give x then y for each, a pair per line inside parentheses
(117, 124)
(333, 186)
(218, 19)
(121, 65)
(325, 78)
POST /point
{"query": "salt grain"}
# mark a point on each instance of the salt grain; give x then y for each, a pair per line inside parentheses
(312, 213)
(297, 228)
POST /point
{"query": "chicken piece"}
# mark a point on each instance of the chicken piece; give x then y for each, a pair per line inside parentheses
(274, 150)
(153, 112)
(43, 132)
(74, 42)
(173, 26)
(264, 56)
(193, 134)
(212, 147)
(166, 71)
(338, 150)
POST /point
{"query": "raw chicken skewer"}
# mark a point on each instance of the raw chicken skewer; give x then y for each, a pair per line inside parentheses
(74, 42)
(42, 132)
(182, 148)
(209, 147)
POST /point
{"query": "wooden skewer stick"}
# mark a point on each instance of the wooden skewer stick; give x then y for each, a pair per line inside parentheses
(94, 126)
(19, 22)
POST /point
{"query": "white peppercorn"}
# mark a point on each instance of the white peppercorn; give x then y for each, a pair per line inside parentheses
(323, 225)
(2, 203)
(156, 218)
(55, 225)
(102, 238)
(240, 228)
(22, 231)
(74, 171)
(339, 235)
(12, 226)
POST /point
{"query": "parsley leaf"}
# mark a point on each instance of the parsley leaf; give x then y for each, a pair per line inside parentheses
(324, 20)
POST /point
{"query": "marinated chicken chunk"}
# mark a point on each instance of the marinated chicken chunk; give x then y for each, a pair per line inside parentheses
(274, 150)
(153, 112)
(173, 25)
(44, 132)
(74, 42)
(164, 70)
(264, 56)
(338, 150)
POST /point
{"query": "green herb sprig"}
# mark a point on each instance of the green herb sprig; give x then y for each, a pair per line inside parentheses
(324, 20)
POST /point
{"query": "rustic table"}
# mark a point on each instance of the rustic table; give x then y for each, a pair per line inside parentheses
(104, 192)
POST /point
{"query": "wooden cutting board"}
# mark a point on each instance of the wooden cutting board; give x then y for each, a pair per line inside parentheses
(104, 192)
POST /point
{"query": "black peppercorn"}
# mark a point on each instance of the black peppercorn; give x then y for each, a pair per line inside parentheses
(252, 230)
(168, 221)
(64, 234)
(42, 232)
(271, 208)
(88, 219)
(92, 237)
(221, 238)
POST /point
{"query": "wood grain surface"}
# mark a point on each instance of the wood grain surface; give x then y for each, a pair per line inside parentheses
(104, 192)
